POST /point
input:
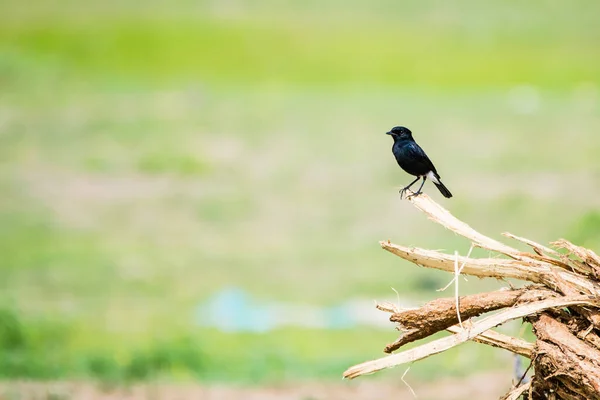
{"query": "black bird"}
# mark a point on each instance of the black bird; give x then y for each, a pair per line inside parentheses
(411, 158)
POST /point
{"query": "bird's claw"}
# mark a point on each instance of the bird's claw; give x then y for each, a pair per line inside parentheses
(403, 192)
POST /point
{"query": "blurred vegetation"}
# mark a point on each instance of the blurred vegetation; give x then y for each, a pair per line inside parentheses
(150, 157)
(47, 349)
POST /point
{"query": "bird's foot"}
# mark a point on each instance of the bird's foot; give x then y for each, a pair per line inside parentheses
(403, 192)
(414, 194)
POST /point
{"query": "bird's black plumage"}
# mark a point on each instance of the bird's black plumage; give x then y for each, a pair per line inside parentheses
(412, 159)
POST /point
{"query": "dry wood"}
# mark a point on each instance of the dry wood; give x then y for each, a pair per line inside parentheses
(546, 254)
(540, 249)
(571, 356)
(443, 344)
(440, 314)
(481, 267)
(591, 338)
(554, 367)
(563, 306)
(589, 259)
(586, 255)
(530, 270)
(443, 217)
(502, 341)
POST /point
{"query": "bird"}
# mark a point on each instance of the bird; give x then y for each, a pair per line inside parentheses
(412, 159)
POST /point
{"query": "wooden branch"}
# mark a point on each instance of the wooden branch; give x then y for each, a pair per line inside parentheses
(526, 267)
(588, 257)
(529, 270)
(481, 267)
(547, 255)
(438, 214)
(566, 355)
(440, 314)
(540, 249)
(502, 341)
(443, 344)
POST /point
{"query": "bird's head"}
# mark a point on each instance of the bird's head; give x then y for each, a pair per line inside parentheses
(400, 133)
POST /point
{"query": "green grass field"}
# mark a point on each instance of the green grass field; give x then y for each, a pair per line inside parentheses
(151, 157)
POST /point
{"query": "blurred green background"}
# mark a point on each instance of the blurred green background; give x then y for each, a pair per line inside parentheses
(153, 156)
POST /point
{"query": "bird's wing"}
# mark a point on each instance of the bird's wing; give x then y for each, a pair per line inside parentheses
(418, 154)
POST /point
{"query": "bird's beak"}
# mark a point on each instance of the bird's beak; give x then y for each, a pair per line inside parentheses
(388, 133)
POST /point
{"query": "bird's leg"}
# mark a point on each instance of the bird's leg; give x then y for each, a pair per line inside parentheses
(418, 192)
(402, 191)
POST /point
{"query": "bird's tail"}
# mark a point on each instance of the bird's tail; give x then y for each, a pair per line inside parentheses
(443, 189)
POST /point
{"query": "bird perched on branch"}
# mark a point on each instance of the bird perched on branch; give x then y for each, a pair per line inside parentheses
(412, 159)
